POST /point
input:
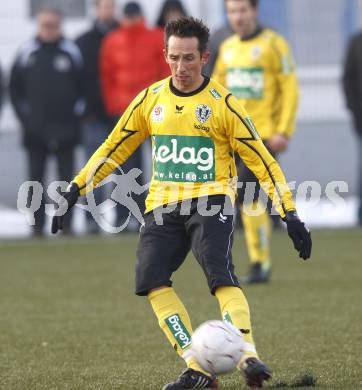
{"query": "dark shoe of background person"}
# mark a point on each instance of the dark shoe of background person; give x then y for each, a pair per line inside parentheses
(258, 273)
(93, 227)
(359, 221)
(37, 233)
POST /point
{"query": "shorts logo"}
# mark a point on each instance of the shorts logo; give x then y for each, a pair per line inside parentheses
(222, 218)
(203, 113)
(183, 158)
(158, 113)
(179, 331)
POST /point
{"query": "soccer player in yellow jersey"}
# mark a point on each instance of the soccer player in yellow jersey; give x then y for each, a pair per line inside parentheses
(195, 126)
(256, 66)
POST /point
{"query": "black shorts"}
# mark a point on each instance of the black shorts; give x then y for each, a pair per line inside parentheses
(163, 248)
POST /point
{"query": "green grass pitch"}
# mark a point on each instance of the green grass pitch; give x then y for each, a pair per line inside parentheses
(69, 319)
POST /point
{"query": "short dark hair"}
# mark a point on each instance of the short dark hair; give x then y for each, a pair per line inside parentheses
(253, 3)
(132, 9)
(168, 6)
(48, 9)
(188, 27)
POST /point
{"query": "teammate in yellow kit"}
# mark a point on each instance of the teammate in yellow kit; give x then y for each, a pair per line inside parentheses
(195, 125)
(256, 66)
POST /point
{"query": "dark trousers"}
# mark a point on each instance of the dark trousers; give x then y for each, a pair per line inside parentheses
(94, 133)
(245, 175)
(134, 161)
(37, 160)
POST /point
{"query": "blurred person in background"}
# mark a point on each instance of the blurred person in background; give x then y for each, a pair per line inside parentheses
(170, 10)
(95, 123)
(352, 85)
(1, 89)
(46, 89)
(216, 39)
(256, 65)
(131, 58)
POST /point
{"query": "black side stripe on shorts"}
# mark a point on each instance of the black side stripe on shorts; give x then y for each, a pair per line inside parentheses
(129, 134)
(228, 251)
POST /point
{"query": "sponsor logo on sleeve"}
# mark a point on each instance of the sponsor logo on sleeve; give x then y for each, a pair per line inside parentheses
(158, 89)
(287, 65)
(252, 128)
(215, 94)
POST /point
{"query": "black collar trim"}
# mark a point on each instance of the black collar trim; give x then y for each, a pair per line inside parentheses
(259, 30)
(176, 92)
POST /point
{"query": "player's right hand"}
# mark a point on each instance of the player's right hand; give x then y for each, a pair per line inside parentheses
(299, 234)
(68, 200)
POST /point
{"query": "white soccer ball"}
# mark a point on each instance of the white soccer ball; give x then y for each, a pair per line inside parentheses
(217, 346)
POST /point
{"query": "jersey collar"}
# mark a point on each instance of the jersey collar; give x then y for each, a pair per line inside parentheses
(176, 92)
(258, 30)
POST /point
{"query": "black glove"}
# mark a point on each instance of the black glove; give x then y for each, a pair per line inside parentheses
(299, 234)
(68, 200)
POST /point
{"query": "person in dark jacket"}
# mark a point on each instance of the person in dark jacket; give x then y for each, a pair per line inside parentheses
(96, 124)
(352, 85)
(1, 89)
(46, 89)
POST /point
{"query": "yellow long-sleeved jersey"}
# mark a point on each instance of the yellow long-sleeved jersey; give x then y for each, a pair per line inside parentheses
(259, 71)
(194, 137)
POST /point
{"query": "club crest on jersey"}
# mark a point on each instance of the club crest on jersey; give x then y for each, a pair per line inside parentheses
(158, 113)
(256, 52)
(203, 113)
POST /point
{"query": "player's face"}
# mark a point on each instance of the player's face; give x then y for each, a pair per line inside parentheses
(242, 16)
(186, 62)
(49, 29)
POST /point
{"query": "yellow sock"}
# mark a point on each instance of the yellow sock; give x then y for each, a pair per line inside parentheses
(175, 323)
(257, 234)
(235, 309)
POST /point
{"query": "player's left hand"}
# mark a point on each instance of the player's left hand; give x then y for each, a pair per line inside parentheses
(68, 200)
(299, 234)
(278, 143)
